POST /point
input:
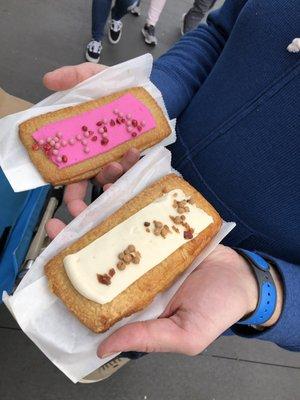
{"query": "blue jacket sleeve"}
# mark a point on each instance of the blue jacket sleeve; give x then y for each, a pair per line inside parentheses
(286, 332)
(180, 72)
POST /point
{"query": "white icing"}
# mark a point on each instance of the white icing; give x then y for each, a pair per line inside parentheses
(102, 254)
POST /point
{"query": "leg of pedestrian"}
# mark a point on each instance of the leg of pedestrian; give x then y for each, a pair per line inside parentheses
(155, 9)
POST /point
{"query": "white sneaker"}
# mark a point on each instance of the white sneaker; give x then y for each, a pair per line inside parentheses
(136, 11)
(93, 50)
(115, 31)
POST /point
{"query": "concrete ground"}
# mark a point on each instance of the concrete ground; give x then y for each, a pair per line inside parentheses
(37, 36)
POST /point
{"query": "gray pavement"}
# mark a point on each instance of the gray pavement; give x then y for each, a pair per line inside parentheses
(37, 36)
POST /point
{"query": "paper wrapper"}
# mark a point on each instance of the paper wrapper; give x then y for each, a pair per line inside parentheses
(14, 159)
(44, 318)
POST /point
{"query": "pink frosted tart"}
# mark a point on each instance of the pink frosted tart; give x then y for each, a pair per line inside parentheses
(74, 143)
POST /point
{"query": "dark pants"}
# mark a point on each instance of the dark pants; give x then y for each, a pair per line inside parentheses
(100, 13)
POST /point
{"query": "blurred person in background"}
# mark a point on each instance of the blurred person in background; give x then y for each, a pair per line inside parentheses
(194, 16)
(100, 13)
(154, 12)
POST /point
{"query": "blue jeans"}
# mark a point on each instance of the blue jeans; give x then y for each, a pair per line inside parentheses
(100, 13)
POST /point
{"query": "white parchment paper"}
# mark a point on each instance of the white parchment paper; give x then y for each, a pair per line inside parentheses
(43, 317)
(14, 160)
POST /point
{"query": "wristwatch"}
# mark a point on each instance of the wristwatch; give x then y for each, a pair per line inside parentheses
(267, 290)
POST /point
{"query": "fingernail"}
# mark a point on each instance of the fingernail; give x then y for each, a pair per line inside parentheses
(104, 355)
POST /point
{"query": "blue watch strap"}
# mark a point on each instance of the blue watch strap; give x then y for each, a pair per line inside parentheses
(267, 290)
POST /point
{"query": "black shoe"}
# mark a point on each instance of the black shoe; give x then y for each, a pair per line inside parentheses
(93, 50)
(149, 34)
(115, 31)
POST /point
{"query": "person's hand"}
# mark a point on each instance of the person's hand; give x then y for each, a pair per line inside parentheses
(62, 79)
(218, 293)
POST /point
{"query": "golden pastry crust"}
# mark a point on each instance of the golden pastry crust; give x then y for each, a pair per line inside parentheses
(89, 168)
(138, 295)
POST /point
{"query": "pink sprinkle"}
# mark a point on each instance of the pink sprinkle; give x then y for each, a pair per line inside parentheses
(86, 134)
(58, 159)
(52, 142)
(57, 146)
(121, 115)
(143, 123)
(86, 149)
(116, 111)
(129, 129)
(63, 143)
(128, 123)
(105, 121)
(84, 142)
(104, 135)
(41, 142)
(78, 137)
(128, 116)
(56, 139)
(101, 130)
(71, 141)
(55, 152)
(59, 135)
(49, 139)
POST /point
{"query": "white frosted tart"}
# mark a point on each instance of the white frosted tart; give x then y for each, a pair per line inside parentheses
(102, 254)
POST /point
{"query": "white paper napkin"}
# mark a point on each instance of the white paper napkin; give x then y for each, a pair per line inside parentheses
(14, 160)
(43, 317)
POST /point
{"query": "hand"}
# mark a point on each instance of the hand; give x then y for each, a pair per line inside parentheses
(62, 79)
(217, 294)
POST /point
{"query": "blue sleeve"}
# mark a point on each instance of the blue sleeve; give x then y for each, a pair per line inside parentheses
(286, 332)
(180, 72)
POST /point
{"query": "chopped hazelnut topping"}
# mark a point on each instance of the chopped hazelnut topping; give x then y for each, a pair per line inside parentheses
(157, 231)
(177, 220)
(127, 258)
(181, 203)
(147, 230)
(191, 200)
(180, 210)
(186, 209)
(127, 251)
(136, 260)
(121, 256)
(165, 230)
(131, 248)
(104, 279)
(158, 224)
(121, 266)
(175, 229)
(146, 223)
(175, 203)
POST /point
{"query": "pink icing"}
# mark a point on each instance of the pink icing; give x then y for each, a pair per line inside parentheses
(75, 146)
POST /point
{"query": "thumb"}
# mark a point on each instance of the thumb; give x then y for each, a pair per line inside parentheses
(160, 335)
(66, 77)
